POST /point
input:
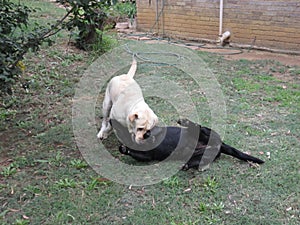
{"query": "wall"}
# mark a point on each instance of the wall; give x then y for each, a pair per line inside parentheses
(266, 23)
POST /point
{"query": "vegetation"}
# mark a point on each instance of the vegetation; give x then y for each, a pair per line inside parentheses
(45, 180)
(124, 11)
(18, 35)
(88, 17)
(16, 40)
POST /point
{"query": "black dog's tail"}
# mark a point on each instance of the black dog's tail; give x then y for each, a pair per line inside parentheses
(228, 150)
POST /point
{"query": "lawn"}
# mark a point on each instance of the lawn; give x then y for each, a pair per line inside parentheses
(44, 179)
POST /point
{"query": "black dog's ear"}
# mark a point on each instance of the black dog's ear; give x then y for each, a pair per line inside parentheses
(184, 122)
(188, 123)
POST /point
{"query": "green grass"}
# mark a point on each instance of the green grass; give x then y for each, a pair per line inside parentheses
(45, 180)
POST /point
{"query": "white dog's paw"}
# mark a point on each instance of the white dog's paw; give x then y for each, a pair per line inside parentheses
(102, 135)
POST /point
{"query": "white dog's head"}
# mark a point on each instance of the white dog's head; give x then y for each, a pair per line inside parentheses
(141, 122)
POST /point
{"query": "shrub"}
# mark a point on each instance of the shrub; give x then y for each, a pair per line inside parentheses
(89, 17)
(12, 46)
(16, 40)
(124, 10)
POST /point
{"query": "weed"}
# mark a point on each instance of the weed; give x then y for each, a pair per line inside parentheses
(209, 211)
(264, 78)
(217, 206)
(2, 214)
(57, 159)
(78, 163)
(66, 183)
(243, 85)
(211, 220)
(295, 71)
(96, 182)
(21, 162)
(24, 124)
(59, 134)
(203, 207)
(33, 189)
(210, 184)
(6, 114)
(107, 42)
(9, 170)
(22, 222)
(172, 182)
(93, 185)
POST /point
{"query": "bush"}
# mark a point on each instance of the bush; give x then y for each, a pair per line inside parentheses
(89, 17)
(16, 40)
(12, 46)
(124, 10)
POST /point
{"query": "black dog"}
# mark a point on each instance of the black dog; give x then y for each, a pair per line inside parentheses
(196, 145)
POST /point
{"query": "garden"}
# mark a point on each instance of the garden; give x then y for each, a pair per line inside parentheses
(44, 178)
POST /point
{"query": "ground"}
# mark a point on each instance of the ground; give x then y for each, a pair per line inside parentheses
(285, 59)
(44, 179)
(229, 53)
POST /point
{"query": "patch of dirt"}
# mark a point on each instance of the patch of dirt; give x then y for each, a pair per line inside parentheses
(8, 138)
(287, 77)
(285, 59)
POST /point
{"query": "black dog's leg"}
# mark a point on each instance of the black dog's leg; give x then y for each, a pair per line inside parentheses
(123, 149)
(192, 163)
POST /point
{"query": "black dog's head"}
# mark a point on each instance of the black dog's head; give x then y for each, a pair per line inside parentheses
(147, 134)
(156, 134)
(152, 138)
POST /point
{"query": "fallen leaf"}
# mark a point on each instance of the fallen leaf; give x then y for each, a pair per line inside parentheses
(153, 203)
(41, 177)
(13, 210)
(102, 179)
(187, 190)
(25, 217)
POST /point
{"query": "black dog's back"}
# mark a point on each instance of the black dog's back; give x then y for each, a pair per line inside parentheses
(163, 141)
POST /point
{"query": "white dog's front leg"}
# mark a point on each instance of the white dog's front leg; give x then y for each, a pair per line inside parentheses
(106, 110)
(105, 129)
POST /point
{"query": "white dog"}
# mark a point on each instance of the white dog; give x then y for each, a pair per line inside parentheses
(124, 102)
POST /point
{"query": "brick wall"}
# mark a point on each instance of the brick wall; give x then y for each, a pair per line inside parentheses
(272, 23)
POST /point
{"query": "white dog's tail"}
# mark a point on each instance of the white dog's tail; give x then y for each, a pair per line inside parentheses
(132, 69)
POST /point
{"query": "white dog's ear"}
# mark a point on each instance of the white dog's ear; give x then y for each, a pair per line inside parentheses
(133, 117)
